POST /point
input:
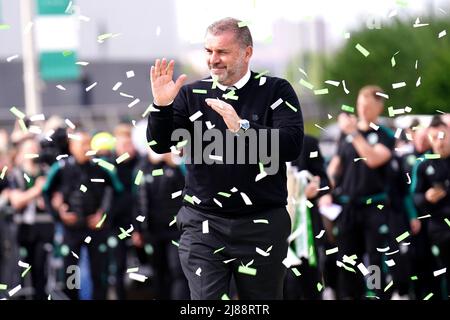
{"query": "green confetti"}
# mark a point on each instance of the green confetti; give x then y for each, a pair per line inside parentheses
(319, 286)
(173, 221)
(201, 91)
(105, 164)
(388, 286)
(137, 180)
(306, 84)
(363, 50)
(349, 268)
(402, 3)
(5, 27)
(413, 278)
(181, 144)
(393, 59)
(123, 234)
(104, 36)
(224, 194)
(67, 53)
(432, 156)
(259, 75)
(391, 111)
(402, 237)
(157, 172)
(347, 108)
(321, 91)
(225, 297)
(2, 175)
(369, 201)
(152, 143)
(247, 270)
(3, 286)
(242, 24)
(380, 206)
(291, 106)
(230, 95)
(447, 221)
(23, 126)
(19, 114)
(25, 271)
(99, 224)
(296, 272)
(218, 250)
(428, 296)
(175, 243)
(189, 199)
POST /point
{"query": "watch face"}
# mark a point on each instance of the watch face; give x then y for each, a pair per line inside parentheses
(245, 124)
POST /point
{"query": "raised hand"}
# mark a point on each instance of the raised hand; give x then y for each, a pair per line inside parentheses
(164, 89)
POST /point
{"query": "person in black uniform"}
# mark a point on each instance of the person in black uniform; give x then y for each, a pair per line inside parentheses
(224, 194)
(359, 174)
(422, 262)
(154, 200)
(123, 204)
(431, 191)
(305, 286)
(36, 227)
(78, 192)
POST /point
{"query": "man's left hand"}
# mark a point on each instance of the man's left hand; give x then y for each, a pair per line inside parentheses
(227, 112)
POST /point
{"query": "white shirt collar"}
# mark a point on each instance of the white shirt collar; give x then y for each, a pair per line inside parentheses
(242, 82)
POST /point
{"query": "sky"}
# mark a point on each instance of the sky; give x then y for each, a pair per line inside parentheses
(341, 16)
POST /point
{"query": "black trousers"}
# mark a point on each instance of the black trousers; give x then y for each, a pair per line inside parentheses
(98, 259)
(303, 287)
(359, 233)
(34, 238)
(238, 238)
(169, 280)
(440, 236)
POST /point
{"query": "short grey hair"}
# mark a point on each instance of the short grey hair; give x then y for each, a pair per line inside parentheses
(243, 35)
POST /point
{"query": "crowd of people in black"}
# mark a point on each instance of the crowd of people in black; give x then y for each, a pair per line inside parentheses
(390, 239)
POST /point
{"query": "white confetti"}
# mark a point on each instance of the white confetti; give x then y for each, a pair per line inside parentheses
(246, 199)
(11, 58)
(82, 63)
(87, 239)
(262, 252)
(439, 272)
(374, 126)
(205, 226)
(345, 87)
(418, 81)
(37, 117)
(276, 104)
(75, 255)
(262, 80)
(363, 269)
(398, 85)
(117, 86)
(443, 33)
(91, 86)
(14, 290)
(333, 83)
(216, 158)
(198, 271)
(176, 194)
(137, 277)
(313, 154)
(140, 218)
(217, 202)
(133, 103)
(195, 116)
(390, 263)
(130, 74)
(70, 124)
(320, 235)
